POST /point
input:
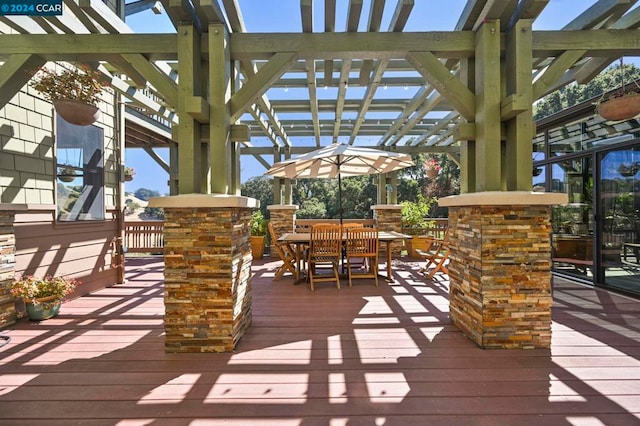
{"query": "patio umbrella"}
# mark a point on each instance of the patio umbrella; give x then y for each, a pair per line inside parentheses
(338, 160)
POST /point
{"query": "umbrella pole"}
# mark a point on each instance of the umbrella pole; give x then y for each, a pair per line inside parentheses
(340, 211)
(340, 197)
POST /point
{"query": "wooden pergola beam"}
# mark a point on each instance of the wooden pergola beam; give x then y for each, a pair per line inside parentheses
(87, 47)
(445, 82)
(375, 19)
(158, 79)
(329, 26)
(15, 73)
(260, 83)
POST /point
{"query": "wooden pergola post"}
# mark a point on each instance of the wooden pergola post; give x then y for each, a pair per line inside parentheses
(500, 270)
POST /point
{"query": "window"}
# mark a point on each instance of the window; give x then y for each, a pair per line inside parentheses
(80, 172)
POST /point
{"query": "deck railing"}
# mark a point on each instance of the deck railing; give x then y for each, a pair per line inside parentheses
(144, 236)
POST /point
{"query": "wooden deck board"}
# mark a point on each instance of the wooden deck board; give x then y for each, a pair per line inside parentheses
(358, 356)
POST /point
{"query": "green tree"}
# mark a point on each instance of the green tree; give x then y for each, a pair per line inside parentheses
(144, 194)
(260, 188)
(572, 94)
(153, 213)
(312, 208)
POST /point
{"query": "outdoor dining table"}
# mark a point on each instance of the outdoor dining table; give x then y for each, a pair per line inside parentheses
(298, 240)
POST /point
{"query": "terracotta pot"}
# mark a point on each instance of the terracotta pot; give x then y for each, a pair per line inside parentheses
(620, 108)
(47, 307)
(431, 173)
(78, 113)
(257, 246)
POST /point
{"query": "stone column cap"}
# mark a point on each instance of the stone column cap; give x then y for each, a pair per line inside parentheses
(504, 198)
(203, 200)
(283, 207)
(386, 207)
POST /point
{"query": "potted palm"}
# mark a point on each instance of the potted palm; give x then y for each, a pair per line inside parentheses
(75, 93)
(415, 223)
(258, 233)
(42, 296)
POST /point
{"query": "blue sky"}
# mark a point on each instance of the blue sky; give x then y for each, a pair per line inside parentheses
(284, 16)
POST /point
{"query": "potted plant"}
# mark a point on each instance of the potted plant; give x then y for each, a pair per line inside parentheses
(258, 232)
(129, 173)
(432, 167)
(414, 222)
(75, 93)
(67, 174)
(42, 296)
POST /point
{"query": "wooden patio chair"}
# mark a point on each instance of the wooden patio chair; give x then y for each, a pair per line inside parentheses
(285, 252)
(325, 248)
(437, 256)
(362, 249)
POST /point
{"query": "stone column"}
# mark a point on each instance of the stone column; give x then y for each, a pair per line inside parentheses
(500, 267)
(388, 218)
(283, 218)
(207, 271)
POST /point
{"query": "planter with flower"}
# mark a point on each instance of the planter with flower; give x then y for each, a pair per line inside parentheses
(75, 93)
(42, 296)
(129, 173)
(432, 167)
(258, 234)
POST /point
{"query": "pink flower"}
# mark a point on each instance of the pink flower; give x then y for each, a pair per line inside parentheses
(432, 163)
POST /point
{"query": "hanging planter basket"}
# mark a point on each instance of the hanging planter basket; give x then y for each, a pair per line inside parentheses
(75, 112)
(629, 170)
(619, 108)
(66, 178)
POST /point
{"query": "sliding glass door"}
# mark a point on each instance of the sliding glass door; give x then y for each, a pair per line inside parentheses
(619, 218)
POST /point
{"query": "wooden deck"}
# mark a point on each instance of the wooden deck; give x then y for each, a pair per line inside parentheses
(358, 356)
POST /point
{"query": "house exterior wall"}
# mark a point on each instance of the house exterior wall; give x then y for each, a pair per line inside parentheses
(28, 170)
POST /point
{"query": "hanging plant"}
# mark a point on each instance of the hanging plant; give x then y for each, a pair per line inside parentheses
(628, 170)
(622, 104)
(75, 93)
(432, 167)
(67, 174)
(129, 173)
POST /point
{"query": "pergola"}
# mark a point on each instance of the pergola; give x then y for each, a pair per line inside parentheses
(483, 77)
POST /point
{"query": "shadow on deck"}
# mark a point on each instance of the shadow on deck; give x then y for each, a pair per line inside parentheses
(358, 356)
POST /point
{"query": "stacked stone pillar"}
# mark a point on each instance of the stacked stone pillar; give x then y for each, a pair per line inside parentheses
(388, 218)
(207, 271)
(500, 267)
(7, 267)
(283, 219)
